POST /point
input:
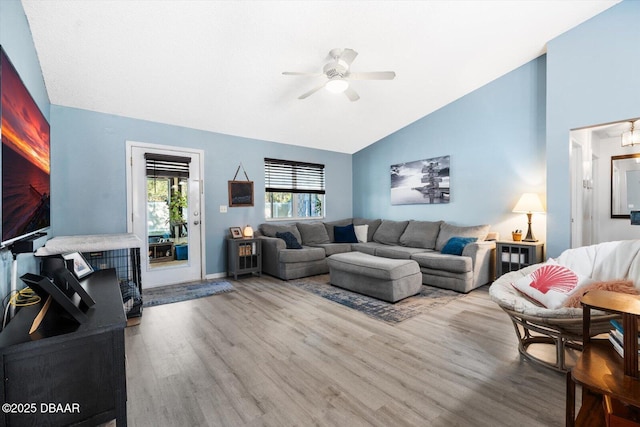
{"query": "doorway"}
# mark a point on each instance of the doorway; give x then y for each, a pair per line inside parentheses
(165, 210)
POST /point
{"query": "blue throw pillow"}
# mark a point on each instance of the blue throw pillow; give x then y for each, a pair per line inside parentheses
(289, 239)
(346, 234)
(455, 245)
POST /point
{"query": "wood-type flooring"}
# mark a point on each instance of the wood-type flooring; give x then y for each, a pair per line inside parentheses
(270, 354)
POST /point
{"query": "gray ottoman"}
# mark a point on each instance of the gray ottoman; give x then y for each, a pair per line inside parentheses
(383, 278)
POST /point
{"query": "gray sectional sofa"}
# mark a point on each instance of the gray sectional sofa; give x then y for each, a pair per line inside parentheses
(421, 241)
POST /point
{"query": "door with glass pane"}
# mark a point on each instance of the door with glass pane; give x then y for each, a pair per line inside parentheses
(165, 204)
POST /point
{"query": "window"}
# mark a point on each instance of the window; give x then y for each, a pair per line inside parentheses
(293, 189)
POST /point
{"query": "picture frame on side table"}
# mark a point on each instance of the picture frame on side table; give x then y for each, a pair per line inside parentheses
(236, 232)
(81, 268)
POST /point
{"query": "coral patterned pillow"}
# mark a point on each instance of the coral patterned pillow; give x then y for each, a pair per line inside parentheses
(550, 285)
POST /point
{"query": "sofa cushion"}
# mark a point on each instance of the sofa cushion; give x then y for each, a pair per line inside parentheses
(372, 223)
(397, 252)
(270, 230)
(289, 239)
(313, 233)
(345, 234)
(421, 234)
(329, 227)
(437, 261)
(456, 245)
(305, 254)
(366, 248)
(389, 232)
(334, 248)
(448, 231)
(361, 232)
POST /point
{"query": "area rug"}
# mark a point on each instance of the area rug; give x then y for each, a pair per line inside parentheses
(176, 293)
(429, 298)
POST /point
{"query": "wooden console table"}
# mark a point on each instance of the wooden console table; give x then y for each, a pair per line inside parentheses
(67, 363)
(602, 373)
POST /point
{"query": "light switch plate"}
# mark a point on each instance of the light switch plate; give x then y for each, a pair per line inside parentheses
(223, 208)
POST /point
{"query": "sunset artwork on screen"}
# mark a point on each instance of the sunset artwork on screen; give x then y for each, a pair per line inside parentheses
(25, 158)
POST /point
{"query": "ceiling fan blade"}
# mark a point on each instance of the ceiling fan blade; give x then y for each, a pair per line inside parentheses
(348, 55)
(296, 73)
(351, 94)
(372, 75)
(311, 92)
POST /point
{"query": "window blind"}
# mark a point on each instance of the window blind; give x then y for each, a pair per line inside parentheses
(285, 176)
(167, 166)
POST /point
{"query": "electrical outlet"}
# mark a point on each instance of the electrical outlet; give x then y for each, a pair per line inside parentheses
(223, 208)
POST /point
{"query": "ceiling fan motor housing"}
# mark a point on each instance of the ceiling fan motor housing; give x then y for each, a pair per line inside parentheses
(335, 70)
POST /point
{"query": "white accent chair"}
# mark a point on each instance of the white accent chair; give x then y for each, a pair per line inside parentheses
(563, 327)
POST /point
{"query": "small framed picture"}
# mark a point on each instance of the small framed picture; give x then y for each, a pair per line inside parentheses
(236, 232)
(81, 267)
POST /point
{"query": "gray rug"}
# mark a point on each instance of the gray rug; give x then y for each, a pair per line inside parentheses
(428, 298)
(175, 293)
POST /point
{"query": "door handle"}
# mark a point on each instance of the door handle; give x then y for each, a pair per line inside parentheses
(196, 222)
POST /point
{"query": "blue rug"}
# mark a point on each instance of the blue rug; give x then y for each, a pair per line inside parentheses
(429, 298)
(183, 292)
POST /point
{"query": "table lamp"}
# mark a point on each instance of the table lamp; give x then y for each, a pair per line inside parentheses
(247, 231)
(529, 203)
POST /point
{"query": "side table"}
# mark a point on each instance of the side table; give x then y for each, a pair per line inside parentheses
(512, 256)
(244, 256)
(606, 377)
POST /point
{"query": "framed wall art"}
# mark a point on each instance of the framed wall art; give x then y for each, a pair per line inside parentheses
(421, 181)
(240, 192)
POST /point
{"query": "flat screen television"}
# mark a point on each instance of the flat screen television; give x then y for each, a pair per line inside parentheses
(26, 179)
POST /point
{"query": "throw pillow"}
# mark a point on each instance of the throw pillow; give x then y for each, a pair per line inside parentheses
(289, 239)
(372, 223)
(622, 286)
(345, 234)
(361, 232)
(448, 231)
(550, 285)
(455, 245)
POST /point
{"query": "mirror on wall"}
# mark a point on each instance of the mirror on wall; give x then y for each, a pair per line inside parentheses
(625, 185)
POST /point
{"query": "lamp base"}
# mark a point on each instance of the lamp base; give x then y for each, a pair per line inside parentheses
(530, 237)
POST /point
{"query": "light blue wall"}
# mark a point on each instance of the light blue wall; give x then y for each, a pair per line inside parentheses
(593, 77)
(89, 182)
(16, 40)
(495, 137)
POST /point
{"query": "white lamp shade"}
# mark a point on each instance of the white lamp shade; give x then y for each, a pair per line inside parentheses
(529, 202)
(248, 231)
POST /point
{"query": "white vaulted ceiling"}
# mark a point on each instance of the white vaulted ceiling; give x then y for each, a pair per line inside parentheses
(217, 65)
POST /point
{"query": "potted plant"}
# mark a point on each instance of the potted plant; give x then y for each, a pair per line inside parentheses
(177, 203)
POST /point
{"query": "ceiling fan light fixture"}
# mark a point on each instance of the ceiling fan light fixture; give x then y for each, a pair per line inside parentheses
(337, 85)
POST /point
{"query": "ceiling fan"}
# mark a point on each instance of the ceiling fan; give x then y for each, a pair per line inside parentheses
(337, 74)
